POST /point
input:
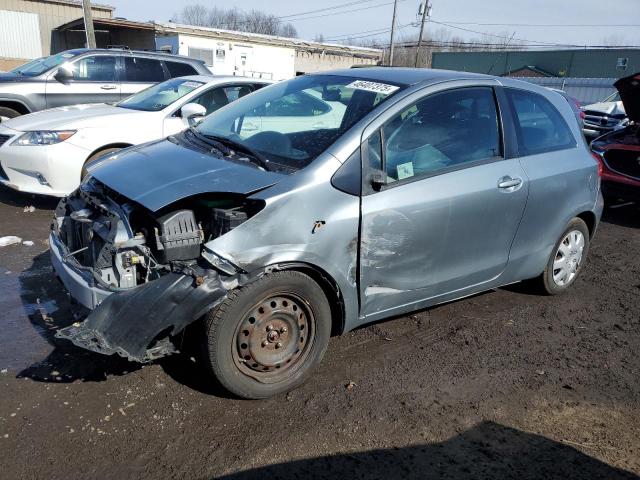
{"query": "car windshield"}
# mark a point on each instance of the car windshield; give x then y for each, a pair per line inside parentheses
(290, 123)
(614, 97)
(157, 97)
(41, 65)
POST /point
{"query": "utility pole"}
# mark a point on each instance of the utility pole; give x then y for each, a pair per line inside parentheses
(425, 11)
(393, 31)
(88, 24)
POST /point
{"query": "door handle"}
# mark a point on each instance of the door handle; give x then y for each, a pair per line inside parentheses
(508, 182)
(108, 87)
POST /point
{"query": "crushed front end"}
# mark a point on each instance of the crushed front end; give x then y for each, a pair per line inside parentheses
(141, 273)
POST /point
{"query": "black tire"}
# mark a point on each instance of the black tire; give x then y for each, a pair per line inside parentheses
(9, 112)
(106, 151)
(241, 344)
(546, 281)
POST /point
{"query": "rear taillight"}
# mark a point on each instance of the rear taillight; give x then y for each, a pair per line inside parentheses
(598, 159)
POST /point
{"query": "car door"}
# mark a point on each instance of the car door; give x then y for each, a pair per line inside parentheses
(92, 79)
(442, 201)
(140, 73)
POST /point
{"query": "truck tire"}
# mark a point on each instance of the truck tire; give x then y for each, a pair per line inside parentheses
(267, 337)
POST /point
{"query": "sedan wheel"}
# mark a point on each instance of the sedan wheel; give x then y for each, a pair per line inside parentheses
(268, 336)
(274, 338)
(567, 258)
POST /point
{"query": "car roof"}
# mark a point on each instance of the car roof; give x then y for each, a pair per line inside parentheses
(215, 79)
(405, 76)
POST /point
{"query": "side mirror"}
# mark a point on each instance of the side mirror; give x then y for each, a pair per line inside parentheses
(377, 180)
(192, 112)
(63, 75)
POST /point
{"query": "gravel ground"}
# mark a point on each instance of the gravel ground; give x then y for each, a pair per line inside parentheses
(505, 384)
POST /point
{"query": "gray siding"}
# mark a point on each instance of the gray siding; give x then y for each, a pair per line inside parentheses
(592, 63)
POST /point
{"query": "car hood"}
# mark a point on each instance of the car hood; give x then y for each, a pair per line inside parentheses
(68, 117)
(605, 108)
(629, 88)
(160, 173)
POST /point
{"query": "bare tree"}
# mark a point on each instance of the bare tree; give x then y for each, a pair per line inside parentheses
(319, 38)
(254, 21)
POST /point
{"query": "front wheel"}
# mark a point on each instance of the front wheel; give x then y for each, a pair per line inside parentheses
(567, 258)
(267, 337)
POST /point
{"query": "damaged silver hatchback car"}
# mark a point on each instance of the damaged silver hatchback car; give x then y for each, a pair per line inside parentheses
(319, 204)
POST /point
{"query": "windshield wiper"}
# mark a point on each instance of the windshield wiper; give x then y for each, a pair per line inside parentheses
(209, 144)
(252, 155)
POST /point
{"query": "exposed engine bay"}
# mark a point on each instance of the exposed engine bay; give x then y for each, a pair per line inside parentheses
(151, 263)
(124, 245)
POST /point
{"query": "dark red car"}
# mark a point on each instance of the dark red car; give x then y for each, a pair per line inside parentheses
(619, 151)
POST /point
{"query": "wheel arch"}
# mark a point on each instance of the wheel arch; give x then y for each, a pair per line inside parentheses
(589, 218)
(108, 146)
(16, 105)
(329, 287)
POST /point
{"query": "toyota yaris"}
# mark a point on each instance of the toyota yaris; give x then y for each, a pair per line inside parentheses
(428, 186)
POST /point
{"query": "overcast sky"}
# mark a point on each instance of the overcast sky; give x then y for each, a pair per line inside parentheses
(377, 15)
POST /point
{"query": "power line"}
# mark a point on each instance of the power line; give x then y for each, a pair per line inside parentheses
(539, 42)
(539, 24)
(342, 12)
(349, 4)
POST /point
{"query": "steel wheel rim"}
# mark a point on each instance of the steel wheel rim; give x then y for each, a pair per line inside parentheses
(274, 337)
(568, 258)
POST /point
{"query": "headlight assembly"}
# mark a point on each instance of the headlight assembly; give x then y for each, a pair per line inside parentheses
(43, 137)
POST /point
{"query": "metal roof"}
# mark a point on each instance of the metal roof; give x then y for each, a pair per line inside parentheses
(405, 76)
(170, 27)
(78, 3)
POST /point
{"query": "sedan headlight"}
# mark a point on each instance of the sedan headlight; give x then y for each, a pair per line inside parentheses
(44, 137)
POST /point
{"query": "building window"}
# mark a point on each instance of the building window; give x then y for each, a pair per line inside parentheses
(622, 63)
(204, 54)
(220, 54)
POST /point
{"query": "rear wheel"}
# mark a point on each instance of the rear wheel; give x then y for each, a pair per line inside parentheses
(267, 337)
(567, 259)
(106, 151)
(8, 113)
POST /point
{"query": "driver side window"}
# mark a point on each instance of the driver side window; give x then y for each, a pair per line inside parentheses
(442, 132)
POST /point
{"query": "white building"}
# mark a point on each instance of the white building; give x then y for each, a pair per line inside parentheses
(265, 56)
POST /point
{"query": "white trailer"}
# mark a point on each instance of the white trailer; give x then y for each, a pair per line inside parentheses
(229, 57)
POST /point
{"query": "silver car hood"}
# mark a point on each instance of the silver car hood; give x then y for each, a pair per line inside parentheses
(160, 173)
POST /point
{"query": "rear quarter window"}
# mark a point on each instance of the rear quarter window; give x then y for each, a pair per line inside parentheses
(179, 69)
(139, 69)
(540, 127)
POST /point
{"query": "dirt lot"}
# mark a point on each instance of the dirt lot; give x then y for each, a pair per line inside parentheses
(501, 385)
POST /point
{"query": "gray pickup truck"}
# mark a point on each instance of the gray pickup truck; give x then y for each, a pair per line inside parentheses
(87, 76)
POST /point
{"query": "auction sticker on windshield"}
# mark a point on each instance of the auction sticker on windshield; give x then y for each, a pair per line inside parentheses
(373, 87)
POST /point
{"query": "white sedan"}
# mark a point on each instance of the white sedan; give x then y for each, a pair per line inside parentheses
(46, 152)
